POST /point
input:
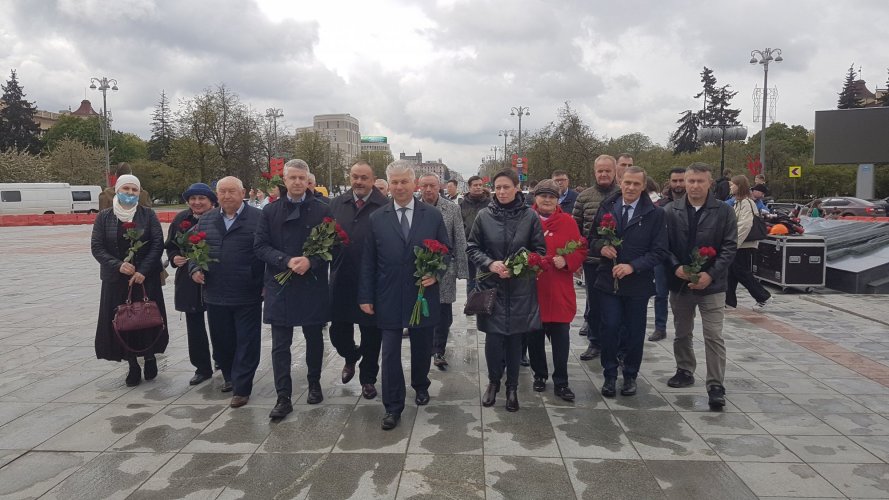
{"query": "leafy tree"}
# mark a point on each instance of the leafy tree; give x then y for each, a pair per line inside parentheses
(884, 99)
(718, 110)
(162, 131)
(19, 166)
(74, 162)
(197, 150)
(86, 130)
(709, 90)
(849, 99)
(126, 147)
(635, 143)
(18, 130)
(685, 138)
(161, 180)
(314, 148)
(378, 161)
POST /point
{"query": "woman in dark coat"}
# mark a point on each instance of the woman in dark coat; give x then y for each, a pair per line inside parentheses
(200, 199)
(109, 248)
(503, 228)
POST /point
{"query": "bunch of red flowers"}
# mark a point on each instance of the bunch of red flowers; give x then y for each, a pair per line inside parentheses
(430, 261)
(199, 251)
(608, 230)
(134, 236)
(699, 257)
(320, 243)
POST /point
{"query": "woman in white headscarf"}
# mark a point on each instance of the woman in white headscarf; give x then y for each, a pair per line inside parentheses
(110, 247)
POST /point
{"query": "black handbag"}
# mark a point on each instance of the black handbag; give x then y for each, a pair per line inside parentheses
(142, 316)
(757, 230)
(480, 302)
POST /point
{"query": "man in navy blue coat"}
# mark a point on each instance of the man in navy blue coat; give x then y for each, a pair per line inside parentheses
(388, 290)
(304, 299)
(232, 288)
(641, 227)
(567, 196)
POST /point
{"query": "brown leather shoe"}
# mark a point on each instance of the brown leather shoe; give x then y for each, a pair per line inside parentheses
(239, 401)
(368, 391)
(348, 372)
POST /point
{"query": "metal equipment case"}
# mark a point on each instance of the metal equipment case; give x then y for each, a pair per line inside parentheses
(791, 261)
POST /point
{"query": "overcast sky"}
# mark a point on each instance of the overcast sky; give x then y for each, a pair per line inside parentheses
(441, 76)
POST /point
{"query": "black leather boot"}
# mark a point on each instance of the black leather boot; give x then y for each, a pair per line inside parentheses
(490, 396)
(512, 399)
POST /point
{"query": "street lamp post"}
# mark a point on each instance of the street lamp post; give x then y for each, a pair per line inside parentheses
(764, 57)
(495, 149)
(104, 84)
(505, 134)
(274, 114)
(520, 110)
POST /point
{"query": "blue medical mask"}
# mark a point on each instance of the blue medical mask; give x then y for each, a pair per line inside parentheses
(127, 199)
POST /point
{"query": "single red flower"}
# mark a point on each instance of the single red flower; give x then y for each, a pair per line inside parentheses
(203, 234)
(267, 175)
(608, 222)
(129, 225)
(185, 225)
(584, 242)
(708, 252)
(195, 239)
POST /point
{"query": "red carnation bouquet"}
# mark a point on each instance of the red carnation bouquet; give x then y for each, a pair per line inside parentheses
(320, 243)
(699, 257)
(132, 235)
(430, 261)
(608, 231)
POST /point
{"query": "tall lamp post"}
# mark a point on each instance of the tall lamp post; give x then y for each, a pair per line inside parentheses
(274, 114)
(104, 84)
(505, 134)
(495, 149)
(520, 110)
(764, 57)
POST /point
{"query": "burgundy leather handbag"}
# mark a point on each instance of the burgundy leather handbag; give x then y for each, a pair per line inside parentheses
(138, 316)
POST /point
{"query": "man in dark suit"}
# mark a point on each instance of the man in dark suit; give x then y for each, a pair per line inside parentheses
(232, 288)
(567, 196)
(352, 211)
(304, 299)
(388, 290)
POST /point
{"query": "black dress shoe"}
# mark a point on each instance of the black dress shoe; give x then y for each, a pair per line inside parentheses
(134, 376)
(282, 408)
(512, 399)
(348, 372)
(609, 389)
(524, 361)
(539, 384)
(629, 388)
(227, 386)
(584, 330)
(150, 368)
(198, 378)
(657, 335)
(315, 394)
(490, 396)
(592, 352)
(683, 378)
(565, 393)
(422, 397)
(716, 398)
(368, 391)
(390, 421)
(439, 360)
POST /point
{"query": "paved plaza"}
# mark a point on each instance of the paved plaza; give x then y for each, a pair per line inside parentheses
(807, 387)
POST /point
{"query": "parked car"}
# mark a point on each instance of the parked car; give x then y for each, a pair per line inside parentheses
(784, 208)
(848, 206)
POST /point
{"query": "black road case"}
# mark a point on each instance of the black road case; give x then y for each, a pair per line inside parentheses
(791, 261)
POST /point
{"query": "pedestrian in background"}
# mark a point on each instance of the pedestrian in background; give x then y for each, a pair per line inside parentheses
(741, 270)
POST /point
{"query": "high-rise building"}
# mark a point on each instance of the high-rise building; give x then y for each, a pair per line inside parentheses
(342, 131)
(375, 143)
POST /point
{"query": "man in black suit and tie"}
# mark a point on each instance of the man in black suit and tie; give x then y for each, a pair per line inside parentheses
(388, 290)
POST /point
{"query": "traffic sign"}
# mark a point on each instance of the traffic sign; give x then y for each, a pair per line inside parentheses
(795, 171)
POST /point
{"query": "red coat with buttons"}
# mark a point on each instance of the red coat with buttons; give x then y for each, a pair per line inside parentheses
(555, 287)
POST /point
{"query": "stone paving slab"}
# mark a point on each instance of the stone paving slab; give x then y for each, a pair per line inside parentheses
(807, 415)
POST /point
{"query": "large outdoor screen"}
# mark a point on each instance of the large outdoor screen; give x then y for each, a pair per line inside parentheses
(852, 136)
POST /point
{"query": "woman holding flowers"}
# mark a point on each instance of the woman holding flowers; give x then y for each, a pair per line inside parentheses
(565, 253)
(187, 298)
(128, 241)
(500, 231)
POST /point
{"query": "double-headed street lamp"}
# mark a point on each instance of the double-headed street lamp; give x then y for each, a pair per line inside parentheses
(104, 84)
(764, 57)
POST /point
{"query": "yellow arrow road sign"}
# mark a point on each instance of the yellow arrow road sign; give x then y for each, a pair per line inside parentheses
(795, 171)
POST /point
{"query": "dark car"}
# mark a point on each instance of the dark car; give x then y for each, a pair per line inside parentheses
(847, 206)
(784, 208)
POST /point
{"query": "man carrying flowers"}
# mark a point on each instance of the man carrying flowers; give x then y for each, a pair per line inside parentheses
(699, 226)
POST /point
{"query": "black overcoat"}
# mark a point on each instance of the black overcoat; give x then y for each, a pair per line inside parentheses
(346, 265)
(109, 248)
(187, 294)
(497, 233)
(302, 300)
(387, 266)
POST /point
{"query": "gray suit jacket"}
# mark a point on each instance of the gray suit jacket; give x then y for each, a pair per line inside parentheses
(458, 267)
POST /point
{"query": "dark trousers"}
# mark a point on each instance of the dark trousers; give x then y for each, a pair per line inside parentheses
(661, 297)
(282, 339)
(741, 271)
(442, 329)
(198, 343)
(592, 315)
(393, 374)
(470, 280)
(501, 348)
(558, 338)
(236, 335)
(631, 313)
(342, 336)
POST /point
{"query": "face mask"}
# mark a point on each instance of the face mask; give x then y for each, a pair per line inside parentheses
(127, 199)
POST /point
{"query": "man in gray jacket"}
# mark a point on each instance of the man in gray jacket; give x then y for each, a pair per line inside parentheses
(585, 209)
(429, 188)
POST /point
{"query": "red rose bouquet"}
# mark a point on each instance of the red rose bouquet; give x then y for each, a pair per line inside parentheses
(699, 257)
(199, 251)
(186, 229)
(132, 235)
(608, 231)
(320, 243)
(522, 264)
(430, 261)
(571, 247)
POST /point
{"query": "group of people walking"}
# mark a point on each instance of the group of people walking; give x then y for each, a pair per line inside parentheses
(372, 281)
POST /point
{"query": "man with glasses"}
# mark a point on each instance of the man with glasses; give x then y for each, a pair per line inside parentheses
(567, 196)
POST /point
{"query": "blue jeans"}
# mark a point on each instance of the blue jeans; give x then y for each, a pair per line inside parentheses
(629, 314)
(661, 297)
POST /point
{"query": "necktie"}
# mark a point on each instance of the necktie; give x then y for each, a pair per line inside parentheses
(359, 203)
(625, 218)
(405, 225)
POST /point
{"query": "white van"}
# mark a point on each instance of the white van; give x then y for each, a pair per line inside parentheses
(35, 198)
(85, 199)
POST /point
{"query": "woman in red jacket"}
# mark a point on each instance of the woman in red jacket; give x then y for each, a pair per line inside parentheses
(555, 289)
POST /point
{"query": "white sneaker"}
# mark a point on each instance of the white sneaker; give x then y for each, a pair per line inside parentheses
(761, 305)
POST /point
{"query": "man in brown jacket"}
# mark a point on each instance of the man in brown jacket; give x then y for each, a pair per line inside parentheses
(585, 209)
(106, 196)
